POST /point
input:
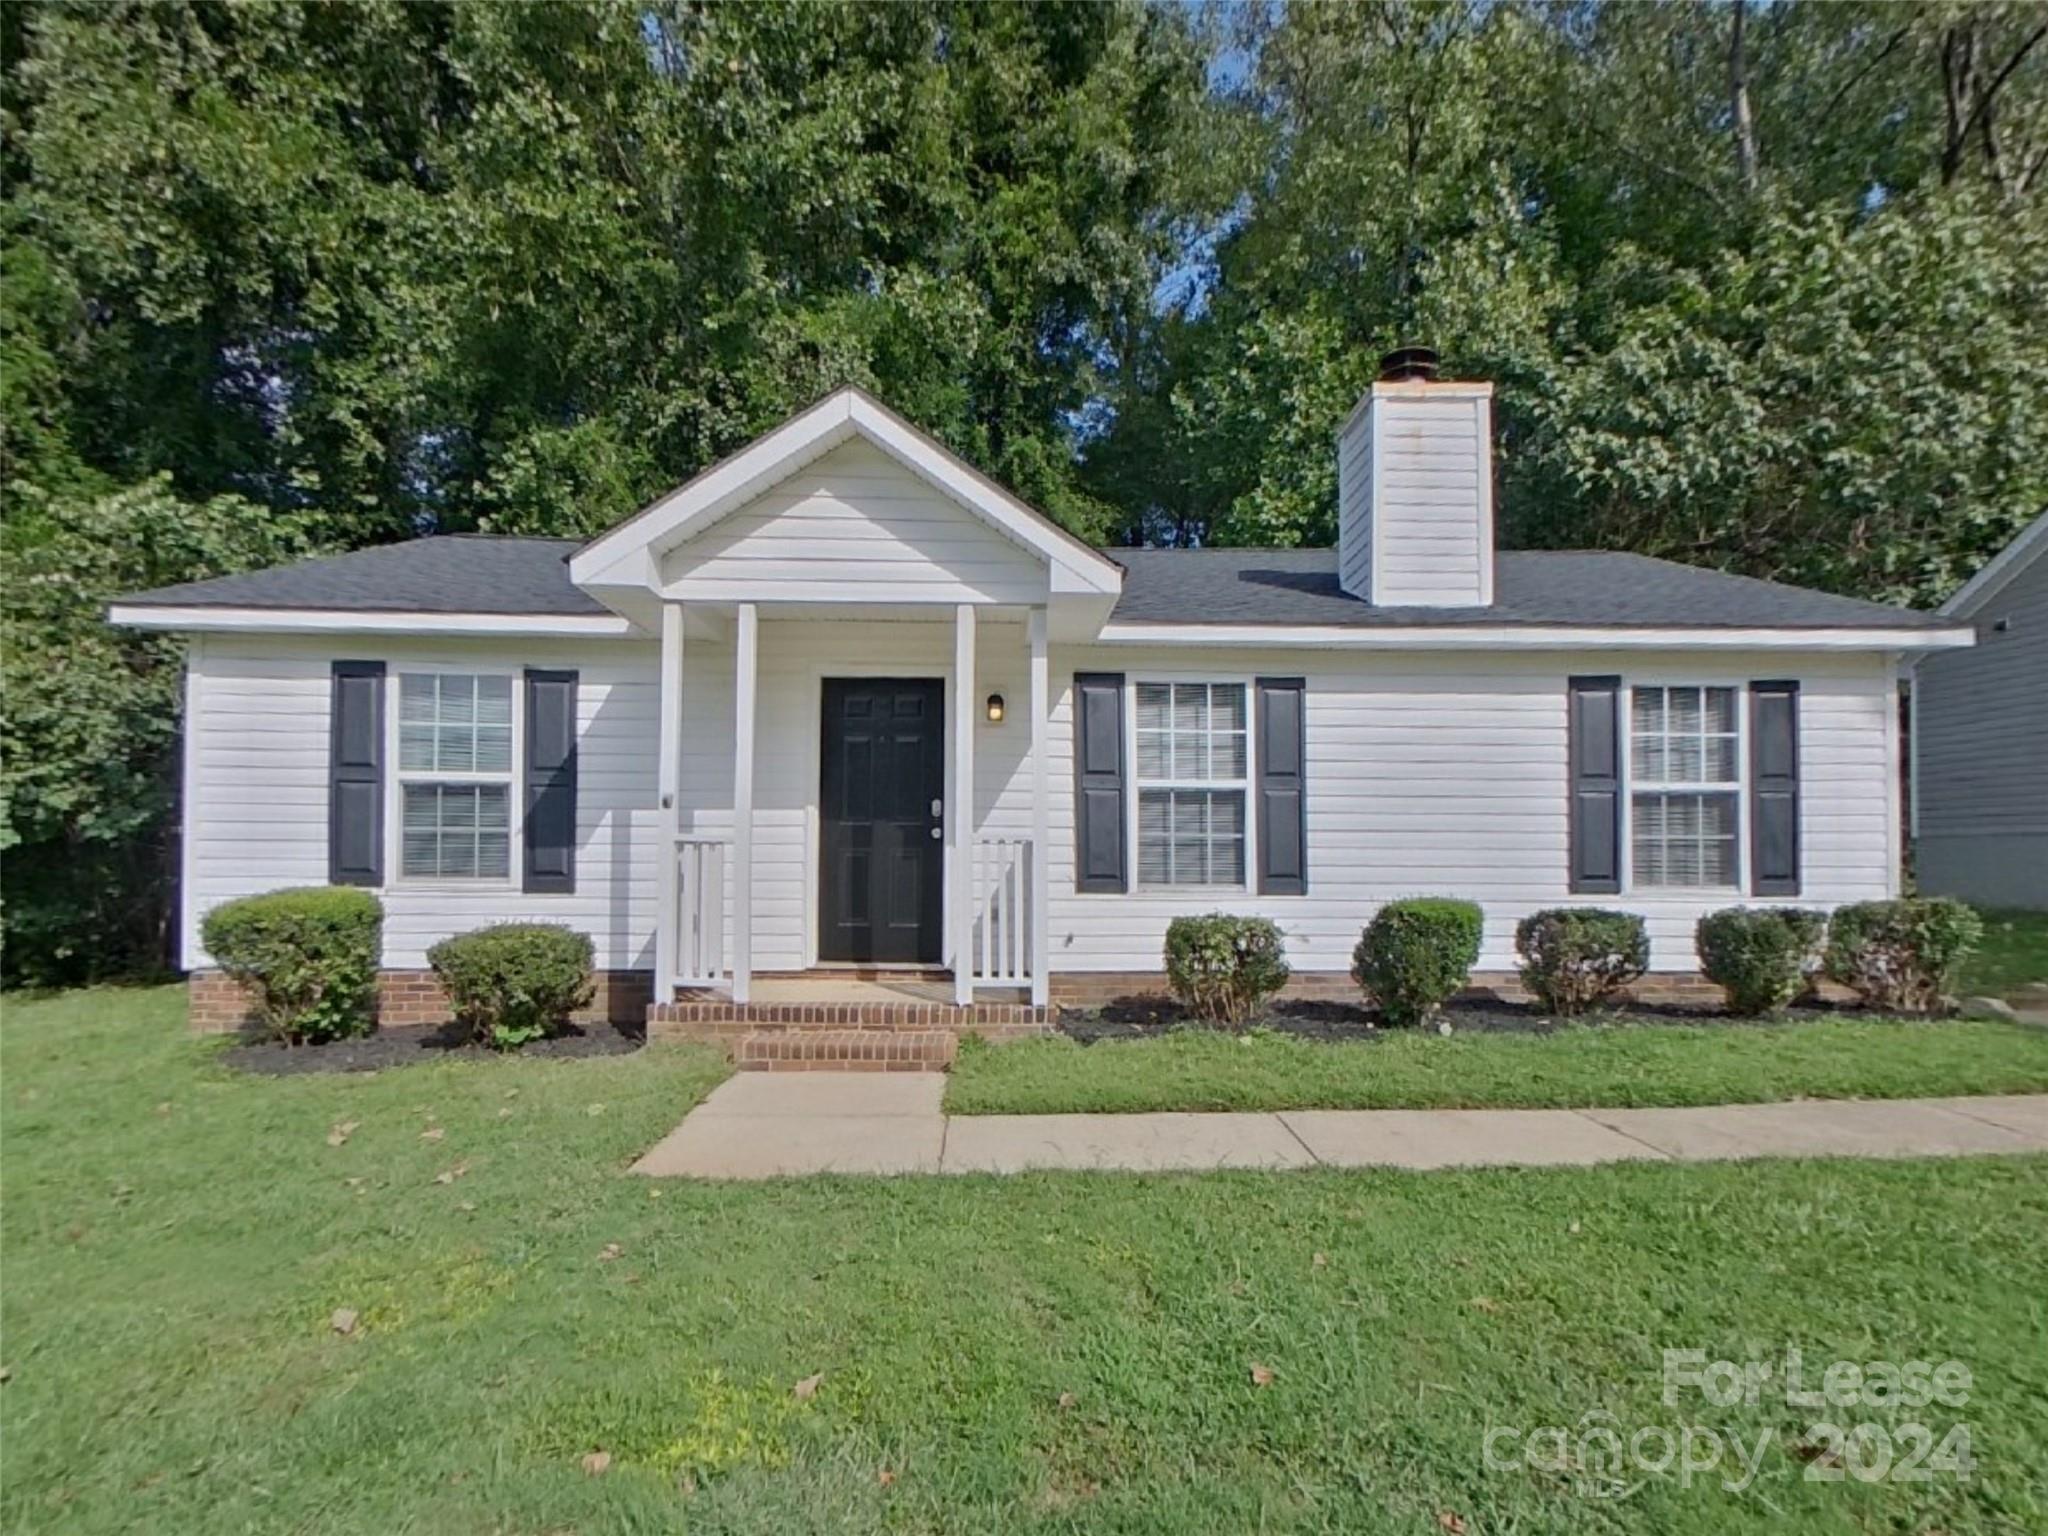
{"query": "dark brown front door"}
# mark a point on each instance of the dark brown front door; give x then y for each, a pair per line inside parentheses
(880, 845)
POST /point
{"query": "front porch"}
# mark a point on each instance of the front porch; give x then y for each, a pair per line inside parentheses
(854, 705)
(826, 870)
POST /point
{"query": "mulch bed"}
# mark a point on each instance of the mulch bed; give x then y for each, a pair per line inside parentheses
(1142, 1018)
(416, 1046)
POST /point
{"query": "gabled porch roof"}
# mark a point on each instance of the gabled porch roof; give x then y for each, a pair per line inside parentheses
(625, 568)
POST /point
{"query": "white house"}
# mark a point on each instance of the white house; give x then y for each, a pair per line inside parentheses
(1980, 738)
(842, 702)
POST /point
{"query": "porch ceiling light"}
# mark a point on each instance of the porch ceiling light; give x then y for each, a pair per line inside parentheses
(995, 709)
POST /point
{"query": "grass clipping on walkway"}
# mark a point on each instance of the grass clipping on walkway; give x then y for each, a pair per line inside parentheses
(1604, 1064)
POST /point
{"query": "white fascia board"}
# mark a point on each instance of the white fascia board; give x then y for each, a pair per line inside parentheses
(1491, 637)
(724, 485)
(972, 489)
(2002, 568)
(299, 621)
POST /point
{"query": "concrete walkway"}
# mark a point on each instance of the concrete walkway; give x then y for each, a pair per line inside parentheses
(759, 1125)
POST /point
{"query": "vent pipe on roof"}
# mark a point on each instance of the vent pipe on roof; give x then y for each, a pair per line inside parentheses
(1409, 362)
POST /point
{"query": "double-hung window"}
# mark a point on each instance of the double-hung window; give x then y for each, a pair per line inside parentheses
(455, 775)
(1685, 773)
(1193, 769)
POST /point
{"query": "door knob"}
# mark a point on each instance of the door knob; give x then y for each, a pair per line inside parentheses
(937, 833)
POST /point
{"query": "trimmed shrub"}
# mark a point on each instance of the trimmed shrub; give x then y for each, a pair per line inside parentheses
(1416, 953)
(1901, 955)
(514, 982)
(1576, 957)
(308, 954)
(1225, 967)
(1759, 956)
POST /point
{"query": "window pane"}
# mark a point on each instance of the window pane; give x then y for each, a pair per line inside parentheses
(1155, 755)
(1229, 756)
(451, 722)
(1155, 866)
(1684, 840)
(456, 831)
(1721, 710)
(1721, 759)
(1152, 706)
(1649, 710)
(1190, 837)
(415, 721)
(1648, 758)
(1683, 705)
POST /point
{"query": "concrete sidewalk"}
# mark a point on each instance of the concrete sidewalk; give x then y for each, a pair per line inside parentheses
(760, 1125)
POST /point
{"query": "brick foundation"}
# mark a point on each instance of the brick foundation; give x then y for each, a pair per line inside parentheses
(1096, 989)
(215, 1004)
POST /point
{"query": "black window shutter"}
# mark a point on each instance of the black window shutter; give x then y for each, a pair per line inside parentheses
(1099, 843)
(1595, 733)
(355, 774)
(1283, 801)
(550, 782)
(1774, 789)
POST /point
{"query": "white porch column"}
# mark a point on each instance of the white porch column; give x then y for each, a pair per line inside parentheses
(960, 809)
(747, 667)
(1041, 810)
(668, 789)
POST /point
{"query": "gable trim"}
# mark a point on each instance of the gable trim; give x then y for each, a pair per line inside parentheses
(2002, 569)
(623, 554)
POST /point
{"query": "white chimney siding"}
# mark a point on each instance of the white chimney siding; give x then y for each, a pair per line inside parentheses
(1415, 496)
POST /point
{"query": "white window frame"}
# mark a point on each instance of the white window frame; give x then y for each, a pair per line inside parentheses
(398, 778)
(1135, 785)
(1740, 788)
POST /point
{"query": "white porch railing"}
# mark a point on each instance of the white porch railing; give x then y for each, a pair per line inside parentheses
(1001, 948)
(700, 909)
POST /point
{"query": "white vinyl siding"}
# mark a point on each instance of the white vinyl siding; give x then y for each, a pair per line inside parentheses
(1444, 774)
(854, 521)
(1426, 774)
(1415, 499)
(257, 787)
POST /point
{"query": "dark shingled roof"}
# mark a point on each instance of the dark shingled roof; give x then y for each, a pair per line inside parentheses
(508, 575)
(1530, 586)
(453, 573)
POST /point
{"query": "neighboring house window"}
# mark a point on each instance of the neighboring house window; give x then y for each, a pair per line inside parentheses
(455, 776)
(1193, 767)
(1685, 772)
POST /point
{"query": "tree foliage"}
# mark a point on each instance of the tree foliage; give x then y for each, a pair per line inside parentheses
(1760, 285)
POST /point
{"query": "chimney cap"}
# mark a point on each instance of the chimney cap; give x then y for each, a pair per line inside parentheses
(1409, 362)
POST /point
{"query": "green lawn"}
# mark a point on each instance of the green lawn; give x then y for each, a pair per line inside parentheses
(1596, 1064)
(2013, 953)
(1046, 1353)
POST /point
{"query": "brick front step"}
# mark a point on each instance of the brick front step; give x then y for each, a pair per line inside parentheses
(727, 1022)
(846, 1050)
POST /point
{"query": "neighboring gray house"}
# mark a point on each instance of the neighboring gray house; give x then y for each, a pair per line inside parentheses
(1980, 738)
